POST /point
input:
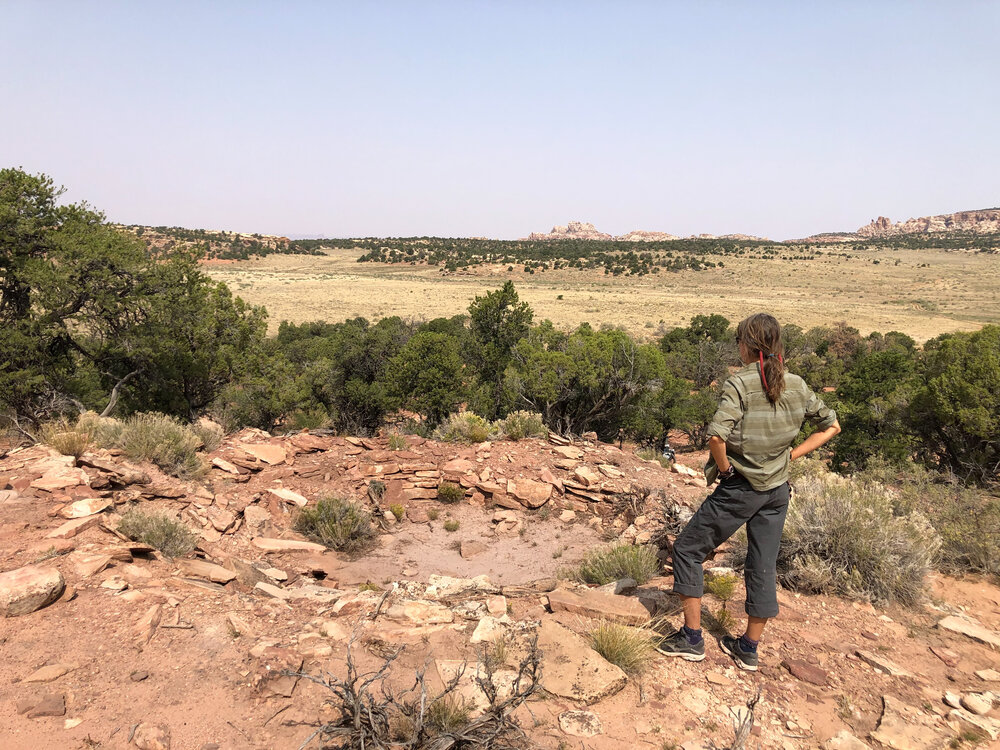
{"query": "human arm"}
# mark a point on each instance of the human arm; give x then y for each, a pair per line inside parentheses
(717, 447)
(811, 443)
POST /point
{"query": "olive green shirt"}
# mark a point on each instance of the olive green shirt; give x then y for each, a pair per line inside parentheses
(759, 434)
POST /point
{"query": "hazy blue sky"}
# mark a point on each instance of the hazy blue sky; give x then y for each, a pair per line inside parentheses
(500, 118)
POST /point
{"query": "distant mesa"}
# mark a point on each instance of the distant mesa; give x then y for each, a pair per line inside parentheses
(984, 221)
(584, 230)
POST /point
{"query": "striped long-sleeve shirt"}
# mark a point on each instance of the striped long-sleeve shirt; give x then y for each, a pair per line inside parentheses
(759, 434)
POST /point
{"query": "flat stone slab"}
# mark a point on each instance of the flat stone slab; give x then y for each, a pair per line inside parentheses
(86, 507)
(206, 570)
(288, 496)
(883, 664)
(580, 723)
(970, 629)
(904, 727)
(571, 669)
(73, 527)
(49, 673)
(286, 545)
(599, 605)
(266, 452)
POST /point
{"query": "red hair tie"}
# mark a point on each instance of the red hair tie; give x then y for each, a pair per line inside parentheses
(763, 377)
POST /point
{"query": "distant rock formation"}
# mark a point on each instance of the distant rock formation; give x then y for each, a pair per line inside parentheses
(584, 230)
(575, 230)
(984, 221)
(640, 236)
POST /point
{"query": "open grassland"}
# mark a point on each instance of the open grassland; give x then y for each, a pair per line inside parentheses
(920, 292)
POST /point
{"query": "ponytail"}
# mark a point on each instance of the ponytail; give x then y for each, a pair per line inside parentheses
(762, 335)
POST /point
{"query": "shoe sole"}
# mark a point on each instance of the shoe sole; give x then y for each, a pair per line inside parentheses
(739, 662)
(682, 655)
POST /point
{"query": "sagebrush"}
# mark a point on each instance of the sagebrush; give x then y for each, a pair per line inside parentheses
(842, 537)
(168, 535)
(337, 523)
(519, 425)
(464, 427)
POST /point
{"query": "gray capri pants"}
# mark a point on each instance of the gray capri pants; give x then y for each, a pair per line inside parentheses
(734, 503)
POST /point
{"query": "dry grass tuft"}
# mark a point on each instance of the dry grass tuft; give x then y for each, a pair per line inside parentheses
(619, 561)
(631, 649)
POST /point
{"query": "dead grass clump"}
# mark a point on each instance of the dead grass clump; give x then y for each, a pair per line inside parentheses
(631, 649)
(449, 713)
(463, 427)
(519, 425)
(397, 443)
(616, 562)
(337, 523)
(449, 492)
(65, 437)
(210, 433)
(169, 536)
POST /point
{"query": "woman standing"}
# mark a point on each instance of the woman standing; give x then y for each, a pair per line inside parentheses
(761, 412)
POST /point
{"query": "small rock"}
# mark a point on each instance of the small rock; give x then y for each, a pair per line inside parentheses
(470, 549)
(946, 655)
(87, 507)
(567, 516)
(73, 527)
(30, 588)
(288, 496)
(806, 672)
(49, 673)
(72, 723)
(977, 703)
(988, 675)
(115, 583)
(152, 737)
(580, 723)
(718, 679)
(285, 545)
(971, 629)
(139, 676)
(272, 590)
(266, 452)
(953, 700)
(844, 740)
(587, 476)
(883, 664)
(53, 704)
(571, 669)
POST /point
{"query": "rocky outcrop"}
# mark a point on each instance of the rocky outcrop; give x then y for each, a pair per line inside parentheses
(985, 221)
(575, 230)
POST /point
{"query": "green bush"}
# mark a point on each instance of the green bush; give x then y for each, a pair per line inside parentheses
(451, 525)
(169, 536)
(449, 492)
(337, 523)
(398, 511)
(619, 561)
(397, 443)
(463, 427)
(631, 649)
(449, 713)
(722, 587)
(163, 440)
(521, 424)
(843, 537)
(309, 419)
